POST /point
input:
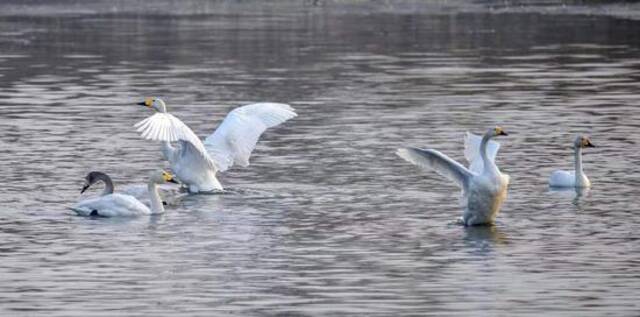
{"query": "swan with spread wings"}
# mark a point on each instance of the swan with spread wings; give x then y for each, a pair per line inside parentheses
(484, 187)
(195, 163)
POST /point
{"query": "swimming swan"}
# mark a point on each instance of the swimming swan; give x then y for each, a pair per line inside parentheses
(170, 193)
(110, 204)
(575, 178)
(484, 187)
(196, 163)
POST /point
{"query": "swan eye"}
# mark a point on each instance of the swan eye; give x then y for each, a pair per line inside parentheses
(148, 102)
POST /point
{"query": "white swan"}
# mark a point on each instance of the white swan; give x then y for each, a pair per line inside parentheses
(575, 178)
(111, 204)
(484, 187)
(196, 163)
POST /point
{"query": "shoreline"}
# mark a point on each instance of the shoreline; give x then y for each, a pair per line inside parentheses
(49, 8)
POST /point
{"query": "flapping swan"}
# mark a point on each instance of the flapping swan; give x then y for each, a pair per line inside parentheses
(110, 204)
(575, 178)
(196, 163)
(484, 187)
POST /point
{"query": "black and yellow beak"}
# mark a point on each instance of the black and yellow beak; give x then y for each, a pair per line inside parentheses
(148, 102)
(589, 144)
(84, 188)
(501, 132)
(169, 178)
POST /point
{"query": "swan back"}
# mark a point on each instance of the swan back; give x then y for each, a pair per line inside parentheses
(112, 205)
(562, 179)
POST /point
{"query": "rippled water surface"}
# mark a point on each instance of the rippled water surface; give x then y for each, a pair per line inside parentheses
(327, 221)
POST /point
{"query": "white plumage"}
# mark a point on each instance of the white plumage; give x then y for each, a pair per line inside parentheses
(484, 187)
(165, 127)
(472, 145)
(196, 163)
(577, 177)
(236, 137)
(110, 204)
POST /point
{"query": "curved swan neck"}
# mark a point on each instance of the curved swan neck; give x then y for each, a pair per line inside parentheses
(162, 107)
(108, 184)
(154, 198)
(489, 166)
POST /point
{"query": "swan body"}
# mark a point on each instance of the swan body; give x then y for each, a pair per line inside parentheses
(577, 177)
(484, 187)
(110, 204)
(196, 163)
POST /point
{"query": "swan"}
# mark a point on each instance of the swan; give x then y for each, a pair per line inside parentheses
(484, 187)
(196, 163)
(110, 204)
(575, 178)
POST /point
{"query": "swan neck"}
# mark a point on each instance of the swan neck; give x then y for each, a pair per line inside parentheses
(578, 164)
(154, 197)
(489, 166)
(108, 184)
(162, 108)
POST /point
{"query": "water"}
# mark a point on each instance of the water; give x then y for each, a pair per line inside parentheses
(327, 221)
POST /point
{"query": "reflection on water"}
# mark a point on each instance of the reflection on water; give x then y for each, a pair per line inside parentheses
(326, 220)
(575, 193)
(485, 235)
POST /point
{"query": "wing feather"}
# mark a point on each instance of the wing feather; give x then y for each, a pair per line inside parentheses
(438, 162)
(165, 127)
(237, 136)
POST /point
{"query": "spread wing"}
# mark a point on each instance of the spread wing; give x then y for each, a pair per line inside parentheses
(236, 137)
(472, 151)
(438, 162)
(165, 127)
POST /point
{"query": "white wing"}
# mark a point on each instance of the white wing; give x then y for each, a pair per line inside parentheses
(236, 137)
(439, 162)
(472, 151)
(166, 127)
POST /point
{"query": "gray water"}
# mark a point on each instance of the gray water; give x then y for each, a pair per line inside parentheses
(326, 221)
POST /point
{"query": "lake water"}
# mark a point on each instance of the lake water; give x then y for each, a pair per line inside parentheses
(327, 221)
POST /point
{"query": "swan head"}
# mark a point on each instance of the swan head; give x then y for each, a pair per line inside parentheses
(497, 131)
(582, 142)
(92, 178)
(161, 177)
(155, 103)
